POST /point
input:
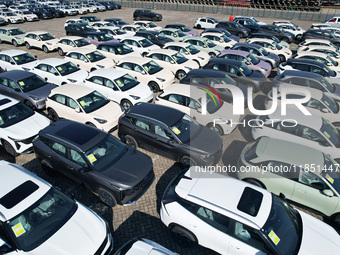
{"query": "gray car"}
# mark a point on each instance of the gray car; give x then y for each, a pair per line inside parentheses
(308, 79)
(303, 174)
(25, 86)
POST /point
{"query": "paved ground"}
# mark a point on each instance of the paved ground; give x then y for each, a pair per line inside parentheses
(140, 219)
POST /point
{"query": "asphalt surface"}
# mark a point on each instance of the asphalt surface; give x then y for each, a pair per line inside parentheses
(140, 219)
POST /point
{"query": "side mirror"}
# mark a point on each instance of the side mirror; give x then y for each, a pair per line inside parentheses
(143, 72)
(205, 46)
(327, 192)
(328, 64)
(324, 110)
(56, 74)
(12, 63)
(77, 110)
(172, 62)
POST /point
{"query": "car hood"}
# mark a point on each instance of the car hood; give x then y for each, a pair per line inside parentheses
(52, 41)
(265, 65)
(87, 232)
(111, 107)
(43, 91)
(206, 141)
(257, 75)
(129, 170)
(235, 38)
(192, 33)
(79, 76)
(273, 56)
(29, 66)
(28, 127)
(141, 90)
(153, 47)
(318, 237)
(106, 62)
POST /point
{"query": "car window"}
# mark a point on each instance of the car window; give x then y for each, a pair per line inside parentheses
(297, 81)
(316, 85)
(317, 70)
(161, 131)
(288, 128)
(42, 67)
(13, 85)
(97, 79)
(77, 158)
(214, 219)
(59, 98)
(71, 103)
(58, 148)
(313, 135)
(310, 179)
(143, 124)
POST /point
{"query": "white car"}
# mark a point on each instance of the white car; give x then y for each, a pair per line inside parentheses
(318, 42)
(320, 103)
(41, 40)
(272, 47)
(320, 57)
(68, 10)
(309, 130)
(321, 25)
(119, 86)
(189, 51)
(206, 22)
(132, 29)
(75, 21)
(65, 44)
(27, 15)
(148, 25)
(232, 217)
(298, 32)
(253, 19)
(220, 39)
(98, 24)
(88, 59)
(59, 71)
(19, 125)
(333, 21)
(115, 32)
(85, 105)
(17, 59)
(334, 53)
(11, 17)
(189, 99)
(36, 217)
(174, 61)
(147, 71)
(117, 51)
(140, 44)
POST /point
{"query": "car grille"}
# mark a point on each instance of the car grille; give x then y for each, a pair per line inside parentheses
(28, 140)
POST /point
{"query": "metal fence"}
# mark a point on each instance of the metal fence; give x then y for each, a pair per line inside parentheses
(233, 9)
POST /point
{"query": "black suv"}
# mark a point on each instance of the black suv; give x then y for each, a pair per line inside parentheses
(78, 29)
(154, 37)
(116, 21)
(321, 34)
(234, 28)
(55, 12)
(95, 159)
(277, 31)
(170, 133)
(145, 14)
(42, 13)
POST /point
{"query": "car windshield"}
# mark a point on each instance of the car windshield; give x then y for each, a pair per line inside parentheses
(81, 42)
(283, 227)
(245, 69)
(46, 37)
(24, 58)
(184, 28)
(329, 131)
(161, 36)
(254, 60)
(145, 43)
(119, 31)
(27, 12)
(9, 14)
(92, 102)
(152, 67)
(151, 24)
(210, 44)
(31, 83)
(274, 38)
(185, 128)
(225, 32)
(263, 51)
(225, 38)
(43, 219)
(105, 37)
(278, 46)
(93, 19)
(331, 104)
(105, 153)
(238, 25)
(192, 49)
(126, 82)
(95, 56)
(14, 114)
(180, 33)
(333, 54)
(121, 49)
(330, 173)
(67, 68)
(120, 22)
(179, 58)
(330, 59)
(330, 87)
(212, 102)
(16, 31)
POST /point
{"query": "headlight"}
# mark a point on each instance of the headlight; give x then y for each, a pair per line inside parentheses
(188, 67)
(71, 80)
(265, 69)
(49, 43)
(135, 97)
(101, 121)
(201, 58)
(100, 66)
(35, 98)
(17, 38)
(160, 79)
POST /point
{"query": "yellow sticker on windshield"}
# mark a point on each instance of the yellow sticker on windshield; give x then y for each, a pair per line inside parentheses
(16, 58)
(82, 103)
(18, 230)
(330, 179)
(326, 103)
(10, 31)
(223, 82)
(119, 49)
(21, 83)
(119, 82)
(241, 69)
(274, 237)
(102, 37)
(176, 130)
(326, 134)
(89, 56)
(76, 42)
(59, 68)
(92, 158)
(146, 68)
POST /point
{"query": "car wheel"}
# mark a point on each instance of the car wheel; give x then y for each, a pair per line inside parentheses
(126, 104)
(187, 161)
(154, 19)
(180, 74)
(282, 58)
(61, 52)
(298, 37)
(9, 148)
(45, 49)
(129, 140)
(216, 128)
(138, 18)
(15, 43)
(212, 55)
(106, 197)
(199, 26)
(255, 182)
(183, 236)
(68, 33)
(240, 34)
(52, 115)
(29, 104)
(28, 46)
(154, 86)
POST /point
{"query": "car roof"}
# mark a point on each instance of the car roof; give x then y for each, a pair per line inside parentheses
(140, 60)
(207, 73)
(94, 33)
(163, 51)
(6, 102)
(177, 25)
(53, 61)
(37, 32)
(252, 45)
(222, 194)
(261, 39)
(17, 179)
(16, 74)
(109, 73)
(9, 28)
(113, 44)
(83, 50)
(314, 53)
(169, 29)
(181, 44)
(136, 38)
(72, 37)
(235, 52)
(188, 90)
(148, 32)
(72, 90)
(317, 40)
(167, 115)
(13, 52)
(225, 61)
(305, 61)
(298, 73)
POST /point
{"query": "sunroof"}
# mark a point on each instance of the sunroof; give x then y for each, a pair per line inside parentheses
(250, 201)
(4, 101)
(18, 194)
(79, 134)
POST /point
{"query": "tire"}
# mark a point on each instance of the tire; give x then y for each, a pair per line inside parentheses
(106, 197)
(255, 182)
(45, 49)
(29, 104)
(180, 74)
(129, 140)
(15, 43)
(28, 46)
(298, 37)
(52, 115)
(154, 86)
(216, 128)
(183, 236)
(240, 34)
(68, 34)
(282, 58)
(126, 104)
(212, 55)
(61, 52)
(199, 26)
(187, 161)
(9, 149)
(138, 18)
(154, 19)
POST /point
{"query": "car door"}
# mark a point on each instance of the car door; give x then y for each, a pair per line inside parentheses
(5, 89)
(6, 36)
(4, 63)
(308, 191)
(141, 131)
(37, 42)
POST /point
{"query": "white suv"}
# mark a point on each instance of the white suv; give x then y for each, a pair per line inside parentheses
(35, 218)
(232, 217)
